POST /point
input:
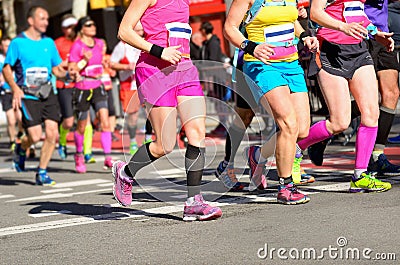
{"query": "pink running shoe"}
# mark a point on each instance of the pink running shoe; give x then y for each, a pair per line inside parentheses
(256, 174)
(122, 188)
(291, 195)
(108, 163)
(198, 209)
(80, 166)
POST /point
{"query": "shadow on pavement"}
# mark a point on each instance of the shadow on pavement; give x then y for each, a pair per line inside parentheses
(97, 212)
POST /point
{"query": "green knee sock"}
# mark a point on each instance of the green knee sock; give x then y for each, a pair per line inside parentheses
(63, 135)
(88, 139)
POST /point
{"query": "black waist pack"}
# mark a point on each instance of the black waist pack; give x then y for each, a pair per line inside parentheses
(41, 92)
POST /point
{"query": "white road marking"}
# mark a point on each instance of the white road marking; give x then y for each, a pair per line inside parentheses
(80, 183)
(58, 195)
(49, 213)
(55, 190)
(6, 196)
(110, 184)
(170, 171)
(240, 199)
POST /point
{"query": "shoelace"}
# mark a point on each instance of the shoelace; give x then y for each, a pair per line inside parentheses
(125, 186)
(293, 189)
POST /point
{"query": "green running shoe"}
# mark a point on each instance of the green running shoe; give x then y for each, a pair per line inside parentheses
(368, 183)
(299, 176)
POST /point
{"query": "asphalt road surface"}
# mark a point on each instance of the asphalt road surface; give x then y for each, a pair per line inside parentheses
(77, 221)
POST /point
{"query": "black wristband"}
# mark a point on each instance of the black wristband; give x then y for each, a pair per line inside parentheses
(250, 47)
(304, 34)
(156, 51)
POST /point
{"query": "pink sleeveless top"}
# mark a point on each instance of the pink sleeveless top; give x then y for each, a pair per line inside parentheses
(166, 24)
(92, 72)
(346, 11)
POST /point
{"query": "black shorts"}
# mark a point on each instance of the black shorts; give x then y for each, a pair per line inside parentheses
(65, 101)
(340, 59)
(35, 112)
(6, 101)
(383, 60)
(244, 96)
(83, 99)
(110, 103)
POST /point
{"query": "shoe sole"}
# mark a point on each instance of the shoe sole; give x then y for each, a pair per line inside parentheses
(309, 181)
(360, 190)
(195, 217)
(304, 200)
(45, 185)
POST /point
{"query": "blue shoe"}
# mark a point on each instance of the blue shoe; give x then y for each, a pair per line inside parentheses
(44, 180)
(62, 151)
(227, 176)
(19, 158)
(394, 140)
(383, 167)
(89, 159)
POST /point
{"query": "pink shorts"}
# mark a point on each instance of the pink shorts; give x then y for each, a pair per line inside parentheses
(161, 88)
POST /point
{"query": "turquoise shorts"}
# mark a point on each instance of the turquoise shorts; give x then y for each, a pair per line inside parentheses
(262, 78)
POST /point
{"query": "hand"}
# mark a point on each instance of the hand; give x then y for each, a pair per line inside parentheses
(385, 39)
(132, 66)
(74, 75)
(311, 43)
(172, 54)
(302, 12)
(18, 94)
(355, 30)
(263, 51)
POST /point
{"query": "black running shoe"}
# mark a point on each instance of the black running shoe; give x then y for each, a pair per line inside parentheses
(316, 152)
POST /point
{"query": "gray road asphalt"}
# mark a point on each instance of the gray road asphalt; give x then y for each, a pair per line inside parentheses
(78, 221)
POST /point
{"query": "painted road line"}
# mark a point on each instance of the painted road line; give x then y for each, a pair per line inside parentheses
(144, 213)
(49, 213)
(331, 187)
(6, 196)
(80, 183)
(56, 190)
(58, 195)
(110, 184)
(88, 220)
(169, 171)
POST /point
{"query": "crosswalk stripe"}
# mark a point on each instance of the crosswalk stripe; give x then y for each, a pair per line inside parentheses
(80, 183)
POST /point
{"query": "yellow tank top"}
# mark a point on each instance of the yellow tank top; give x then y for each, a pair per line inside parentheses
(274, 21)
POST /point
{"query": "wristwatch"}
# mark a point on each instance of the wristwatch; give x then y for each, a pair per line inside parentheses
(243, 45)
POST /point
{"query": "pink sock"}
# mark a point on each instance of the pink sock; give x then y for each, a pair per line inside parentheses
(318, 133)
(78, 142)
(106, 142)
(365, 142)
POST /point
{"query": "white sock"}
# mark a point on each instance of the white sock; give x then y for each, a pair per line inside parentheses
(376, 154)
(298, 151)
(358, 172)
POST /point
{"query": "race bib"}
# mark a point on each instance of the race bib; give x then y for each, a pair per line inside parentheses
(179, 34)
(279, 35)
(93, 71)
(106, 81)
(36, 76)
(354, 12)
